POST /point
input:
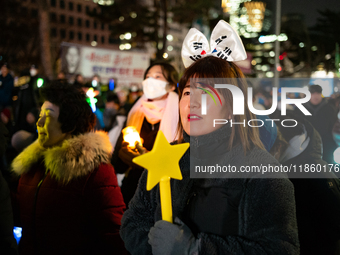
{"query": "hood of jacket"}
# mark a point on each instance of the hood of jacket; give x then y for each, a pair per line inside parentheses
(76, 157)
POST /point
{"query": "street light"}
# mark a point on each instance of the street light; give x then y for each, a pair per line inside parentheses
(104, 2)
(127, 36)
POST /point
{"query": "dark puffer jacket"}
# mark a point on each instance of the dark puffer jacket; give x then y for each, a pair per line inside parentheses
(68, 199)
(317, 200)
(323, 119)
(250, 215)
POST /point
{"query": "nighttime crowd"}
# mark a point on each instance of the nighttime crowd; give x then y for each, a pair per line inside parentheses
(69, 181)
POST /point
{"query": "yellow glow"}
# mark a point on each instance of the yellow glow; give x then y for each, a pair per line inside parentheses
(226, 5)
(131, 136)
(255, 11)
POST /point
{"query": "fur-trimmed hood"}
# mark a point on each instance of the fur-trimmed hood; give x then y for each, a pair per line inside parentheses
(77, 156)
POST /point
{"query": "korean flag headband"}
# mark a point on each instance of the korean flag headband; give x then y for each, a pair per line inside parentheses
(225, 43)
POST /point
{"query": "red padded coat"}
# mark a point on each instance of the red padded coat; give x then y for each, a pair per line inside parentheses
(68, 200)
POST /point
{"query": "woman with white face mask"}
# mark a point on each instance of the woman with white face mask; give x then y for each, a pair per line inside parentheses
(156, 110)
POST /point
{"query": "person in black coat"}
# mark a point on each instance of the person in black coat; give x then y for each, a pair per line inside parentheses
(317, 195)
(8, 244)
(6, 87)
(224, 213)
(27, 103)
(323, 119)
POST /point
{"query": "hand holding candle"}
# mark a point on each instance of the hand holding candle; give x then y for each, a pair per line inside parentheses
(131, 135)
(131, 146)
(162, 164)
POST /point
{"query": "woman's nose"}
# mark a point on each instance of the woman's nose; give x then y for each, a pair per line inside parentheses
(195, 100)
(40, 122)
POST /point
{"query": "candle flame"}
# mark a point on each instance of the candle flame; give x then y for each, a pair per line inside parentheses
(131, 136)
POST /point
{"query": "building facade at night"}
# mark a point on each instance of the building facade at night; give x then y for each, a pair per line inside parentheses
(69, 22)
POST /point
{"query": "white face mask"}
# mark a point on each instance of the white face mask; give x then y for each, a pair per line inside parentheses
(154, 88)
(33, 72)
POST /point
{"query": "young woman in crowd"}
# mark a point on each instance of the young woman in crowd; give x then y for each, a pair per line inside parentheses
(235, 213)
(156, 110)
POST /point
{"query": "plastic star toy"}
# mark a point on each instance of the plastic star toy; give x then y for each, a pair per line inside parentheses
(162, 164)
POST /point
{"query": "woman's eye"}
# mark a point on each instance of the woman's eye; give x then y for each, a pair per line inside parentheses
(186, 93)
(204, 91)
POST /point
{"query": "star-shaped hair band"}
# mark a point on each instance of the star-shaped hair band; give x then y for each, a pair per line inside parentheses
(224, 43)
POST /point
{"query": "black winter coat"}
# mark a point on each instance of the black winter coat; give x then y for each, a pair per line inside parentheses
(229, 216)
(323, 119)
(6, 89)
(27, 102)
(317, 201)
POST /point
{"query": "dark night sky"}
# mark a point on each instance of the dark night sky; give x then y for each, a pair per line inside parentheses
(308, 8)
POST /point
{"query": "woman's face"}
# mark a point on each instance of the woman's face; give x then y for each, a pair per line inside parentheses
(156, 73)
(193, 122)
(49, 128)
(72, 58)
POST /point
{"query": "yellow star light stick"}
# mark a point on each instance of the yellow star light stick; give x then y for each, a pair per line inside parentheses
(162, 164)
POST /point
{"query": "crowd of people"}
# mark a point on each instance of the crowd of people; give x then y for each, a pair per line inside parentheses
(69, 181)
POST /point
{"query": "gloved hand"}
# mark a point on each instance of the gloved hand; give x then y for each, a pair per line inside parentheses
(167, 238)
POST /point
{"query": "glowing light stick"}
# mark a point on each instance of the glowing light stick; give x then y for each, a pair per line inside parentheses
(131, 135)
(92, 100)
(162, 164)
(40, 82)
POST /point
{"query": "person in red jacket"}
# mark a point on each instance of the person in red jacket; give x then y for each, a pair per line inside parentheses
(67, 200)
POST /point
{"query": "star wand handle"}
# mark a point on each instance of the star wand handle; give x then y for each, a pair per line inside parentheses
(165, 193)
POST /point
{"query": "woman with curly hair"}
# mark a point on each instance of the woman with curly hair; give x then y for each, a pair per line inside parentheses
(67, 200)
